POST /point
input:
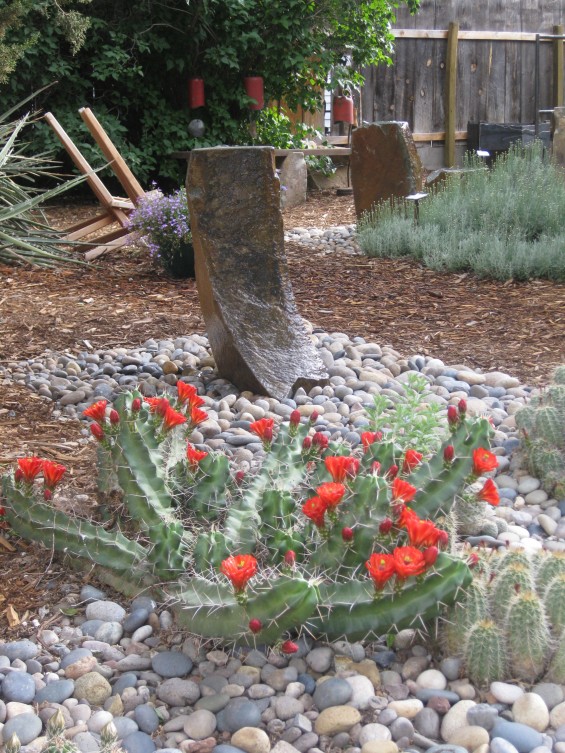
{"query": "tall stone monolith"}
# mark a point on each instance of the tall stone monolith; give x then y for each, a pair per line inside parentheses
(384, 164)
(257, 336)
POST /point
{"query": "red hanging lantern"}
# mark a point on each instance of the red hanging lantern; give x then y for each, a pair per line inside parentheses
(196, 93)
(254, 89)
(343, 110)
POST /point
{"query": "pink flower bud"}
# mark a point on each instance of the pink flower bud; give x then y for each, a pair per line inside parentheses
(375, 467)
(136, 404)
(295, 418)
(97, 431)
(114, 417)
(255, 625)
(392, 472)
(18, 475)
(307, 443)
(449, 453)
(462, 406)
(320, 440)
(290, 558)
(289, 647)
(452, 415)
(347, 534)
(239, 476)
(314, 417)
(385, 525)
(47, 495)
(430, 555)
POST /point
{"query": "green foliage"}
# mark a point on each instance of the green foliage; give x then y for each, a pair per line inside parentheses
(542, 424)
(484, 221)
(186, 517)
(274, 128)
(321, 164)
(133, 66)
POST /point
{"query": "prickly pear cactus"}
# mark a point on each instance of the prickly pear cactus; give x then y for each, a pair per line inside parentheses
(321, 538)
(542, 423)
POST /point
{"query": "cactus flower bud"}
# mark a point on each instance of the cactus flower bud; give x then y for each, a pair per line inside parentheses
(295, 418)
(473, 559)
(307, 443)
(449, 453)
(314, 417)
(97, 431)
(385, 525)
(114, 417)
(392, 471)
(375, 467)
(462, 406)
(239, 476)
(290, 558)
(255, 625)
(442, 539)
(18, 475)
(452, 415)
(289, 647)
(320, 440)
(47, 495)
(136, 404)
(430, 555)
(347, 534)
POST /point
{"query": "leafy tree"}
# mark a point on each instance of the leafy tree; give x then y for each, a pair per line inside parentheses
(133, 63)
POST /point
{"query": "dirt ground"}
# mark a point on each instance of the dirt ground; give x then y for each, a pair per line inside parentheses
(122, 300)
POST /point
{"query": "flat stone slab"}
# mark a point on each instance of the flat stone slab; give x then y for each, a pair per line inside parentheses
(256, 334)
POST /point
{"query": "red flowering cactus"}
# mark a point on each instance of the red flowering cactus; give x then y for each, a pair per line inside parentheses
(315, 509)
(28, 469)
(402, 491)
(97, 411)
(188, 395)
(412, 459)
(421, 533)
(264, 430)
(331, 493)
(239, 570)
(97, 432)
(370, 437)
(158, 405)
(489, 493)
(381, 568)
(484, 461)
(194, 456)
(52, 473)
(341, 467)
(172, 418)
(408, 561)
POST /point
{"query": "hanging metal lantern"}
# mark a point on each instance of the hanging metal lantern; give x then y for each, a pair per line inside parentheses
(254, 89)
(343, 110)
(196, 93)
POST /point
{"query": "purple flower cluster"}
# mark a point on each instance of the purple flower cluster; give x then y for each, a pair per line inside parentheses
(162, 222)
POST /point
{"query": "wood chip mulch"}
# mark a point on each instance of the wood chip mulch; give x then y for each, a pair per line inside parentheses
(122, 300)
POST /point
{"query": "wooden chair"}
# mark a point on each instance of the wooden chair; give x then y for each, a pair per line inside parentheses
(116, 210)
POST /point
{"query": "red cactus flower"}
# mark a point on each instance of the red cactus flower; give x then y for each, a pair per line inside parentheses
(402, 490)
(29, 468)
(172, 418)
(449, 453)
(97, 431)
(347, 534)
(430, 555)
(255, 625)
(136, 404)
(290, 558)
(306, 444)
(186, 392)
(320, 441)
(385, 526)
(331, 493)
(381, 568)
(412, 459)
(158, 405)
(289, 647)
(404, 514)
(421, 533)
(263, 428)
(370, 437)
(315, 509)
(483, 461)
(194, 456)
(452, 415)
(239, 570)
(489, 493)
(462, 407)
(97, 411)
(114, 417)
(408, 561)
(197, 416)
(52, 473)
(341, 467)
(392, 471)
(294, 418)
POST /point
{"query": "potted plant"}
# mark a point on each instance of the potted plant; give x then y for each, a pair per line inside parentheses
(162, 223)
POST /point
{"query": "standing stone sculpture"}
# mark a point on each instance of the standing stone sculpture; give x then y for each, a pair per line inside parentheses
(384, 164)
(559, 137)
(257, 337)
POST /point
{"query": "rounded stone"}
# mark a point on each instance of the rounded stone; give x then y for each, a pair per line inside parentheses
(523, 738)
(333, 692)
(251, 740)
(138, 742)
(240, 712)
(146, 718)
(55, 692)
(455, 718)
(380, 746)
(75, 655)
(109, 632)
(127, 680)
(432, 679)
(408, 708)
(171, 664)
(80, 667)
(336, 719)
(470, 737)
(94, 688)
(374, 732)
(22, 650)
(557, 715)
(176, 692)
(427, 723)
(531, 709)
(287, 707)
(18, 686)
(108, 611)
(135, 619)
(482, 715)
(26, 726)
(200, 724)
(320, 659)
(500, 745)
(551, 692)
(362, 691)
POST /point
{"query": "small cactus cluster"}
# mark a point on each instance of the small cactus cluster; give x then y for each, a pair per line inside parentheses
(511, 619)
(322, 538)
(57, 742)
(542, 424)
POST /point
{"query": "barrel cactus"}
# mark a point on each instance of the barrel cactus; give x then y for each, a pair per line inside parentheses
(542, 423)
(322, 538)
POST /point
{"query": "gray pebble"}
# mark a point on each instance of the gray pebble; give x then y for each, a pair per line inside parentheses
(22, 650)
(138, 742)
(171, 664)
(18, 686)
(27, 727)
(332, 692)
(146, 718)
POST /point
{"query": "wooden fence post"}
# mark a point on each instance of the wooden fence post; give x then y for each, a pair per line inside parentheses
(558, 67)
(451, 93)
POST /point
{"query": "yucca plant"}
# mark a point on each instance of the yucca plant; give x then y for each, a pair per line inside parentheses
(25, 237)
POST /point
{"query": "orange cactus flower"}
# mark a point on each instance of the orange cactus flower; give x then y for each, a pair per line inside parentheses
(404, 515)
(186, 392)
(412, 459)
(315, 509)
(408, 561)
(341, 467)
(52, 473)
(157, 405)
(402, 490)
(263, 428)
(370, 437)
(194, 456)
(28, 469)
(239, 570)
(421, 533)
(197, 416)
(172, 418)
(331, 493)
(489, 493)
(381, 568)
(483, 461)
(97, 411)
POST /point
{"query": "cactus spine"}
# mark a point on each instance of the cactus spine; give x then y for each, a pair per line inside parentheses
(485, 653)
(528, 636)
